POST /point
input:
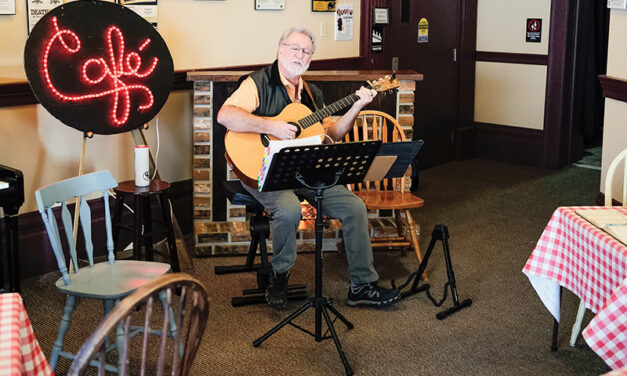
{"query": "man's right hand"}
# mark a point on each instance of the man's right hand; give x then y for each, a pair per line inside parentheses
(283, 130)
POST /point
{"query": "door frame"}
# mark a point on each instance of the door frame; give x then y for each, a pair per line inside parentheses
(557, 124)
(557, 128)
(464, 130)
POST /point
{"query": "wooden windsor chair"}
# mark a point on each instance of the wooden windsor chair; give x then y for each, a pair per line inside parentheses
(107, 281)
(387, 194)
(190, 314)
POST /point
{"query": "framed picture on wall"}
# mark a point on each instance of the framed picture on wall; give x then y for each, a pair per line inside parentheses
(380, 16)
(323, 6)
(269, 4)
(7, 6)
(36, 9)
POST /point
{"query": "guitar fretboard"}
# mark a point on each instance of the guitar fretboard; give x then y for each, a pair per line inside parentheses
(329, 110)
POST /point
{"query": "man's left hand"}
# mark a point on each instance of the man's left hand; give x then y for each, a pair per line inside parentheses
(365, 96)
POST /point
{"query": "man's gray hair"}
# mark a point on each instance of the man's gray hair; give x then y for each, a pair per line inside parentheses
(286, 34)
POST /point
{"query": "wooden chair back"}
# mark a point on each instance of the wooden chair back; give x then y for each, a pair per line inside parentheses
(377, 125)
(70, 189)
(609, 178)
(190, 316)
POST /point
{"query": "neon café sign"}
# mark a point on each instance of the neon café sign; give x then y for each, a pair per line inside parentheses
(102, 76)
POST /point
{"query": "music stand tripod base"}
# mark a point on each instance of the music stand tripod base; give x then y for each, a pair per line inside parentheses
(327, 165)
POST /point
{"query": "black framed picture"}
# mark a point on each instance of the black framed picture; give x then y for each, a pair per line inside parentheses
(323, 6)
(380, 16)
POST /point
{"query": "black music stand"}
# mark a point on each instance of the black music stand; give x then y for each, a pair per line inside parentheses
(319, 167)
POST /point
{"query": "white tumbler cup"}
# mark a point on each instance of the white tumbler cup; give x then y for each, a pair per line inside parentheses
(142, 166)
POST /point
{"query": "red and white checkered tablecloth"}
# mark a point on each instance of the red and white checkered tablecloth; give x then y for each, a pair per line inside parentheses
(20, 353)
(577, 255)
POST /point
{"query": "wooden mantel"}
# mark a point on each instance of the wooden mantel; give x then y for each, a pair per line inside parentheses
(323, 75)
(221, 228)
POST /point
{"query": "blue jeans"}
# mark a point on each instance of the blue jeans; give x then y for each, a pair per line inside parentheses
(337, 202)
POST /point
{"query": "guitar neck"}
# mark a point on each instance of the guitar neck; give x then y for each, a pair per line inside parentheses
(327, 111)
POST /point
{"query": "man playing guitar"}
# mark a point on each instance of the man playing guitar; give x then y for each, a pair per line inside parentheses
(264, 94)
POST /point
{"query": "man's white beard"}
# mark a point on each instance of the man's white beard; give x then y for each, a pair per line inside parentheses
(295, 70)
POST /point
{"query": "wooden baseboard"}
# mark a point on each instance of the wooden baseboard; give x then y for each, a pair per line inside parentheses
(36, 256)
(511, 144)
(511, 58)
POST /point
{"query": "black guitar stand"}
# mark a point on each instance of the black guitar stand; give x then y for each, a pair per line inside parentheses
(440, 232)
(259, 231)
(332, 164)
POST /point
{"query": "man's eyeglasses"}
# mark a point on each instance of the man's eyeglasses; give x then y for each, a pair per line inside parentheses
(295, 48)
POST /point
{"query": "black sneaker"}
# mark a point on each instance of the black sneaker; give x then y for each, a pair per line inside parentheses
(276, 293)
(369, 294)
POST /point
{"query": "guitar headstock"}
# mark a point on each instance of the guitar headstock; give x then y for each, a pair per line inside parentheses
(387, 83)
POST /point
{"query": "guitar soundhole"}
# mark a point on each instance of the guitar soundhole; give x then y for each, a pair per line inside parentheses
(298, 129)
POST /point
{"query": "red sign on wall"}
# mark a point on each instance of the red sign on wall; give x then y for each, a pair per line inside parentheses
(98, 67)
(534, 30)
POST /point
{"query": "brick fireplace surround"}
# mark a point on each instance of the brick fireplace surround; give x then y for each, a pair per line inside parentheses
(221, 228)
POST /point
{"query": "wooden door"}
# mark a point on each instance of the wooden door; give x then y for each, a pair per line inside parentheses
(436, 103)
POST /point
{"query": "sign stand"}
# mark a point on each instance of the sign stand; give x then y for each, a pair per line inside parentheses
(81, 166)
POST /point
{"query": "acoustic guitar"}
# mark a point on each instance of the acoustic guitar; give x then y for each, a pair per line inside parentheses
(245, 150)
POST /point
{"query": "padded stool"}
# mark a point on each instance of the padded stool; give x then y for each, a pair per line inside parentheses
(142, 225)
(259, 232)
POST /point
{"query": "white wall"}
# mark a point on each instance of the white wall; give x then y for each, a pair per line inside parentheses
(510, 94)
(615, 124)
(200, 34)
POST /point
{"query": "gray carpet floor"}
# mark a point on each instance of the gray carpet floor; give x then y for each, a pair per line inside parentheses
(495, 213)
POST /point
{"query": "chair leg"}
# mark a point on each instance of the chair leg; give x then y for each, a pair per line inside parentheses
(165, 302)
(70, 302)
(167, 219)
(147, 235)
(120, 343)
(399, 227)
(414, 240)
(117, 219)
(137, 243)
(577, 325)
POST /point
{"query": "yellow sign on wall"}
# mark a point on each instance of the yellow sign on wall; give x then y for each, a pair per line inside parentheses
(323, 6)
(423, 31)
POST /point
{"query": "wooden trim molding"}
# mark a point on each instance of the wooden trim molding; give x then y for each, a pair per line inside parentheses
(512, 58)
(20, 94)
(508, 143)
(614, 87)
(311, 75)
(556, 126)
(464, 132)
(36, 256)
(16, 94)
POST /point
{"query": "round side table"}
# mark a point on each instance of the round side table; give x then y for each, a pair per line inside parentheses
(140, 197)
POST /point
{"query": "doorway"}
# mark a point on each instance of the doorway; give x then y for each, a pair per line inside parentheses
(590, 24)
(424, 36)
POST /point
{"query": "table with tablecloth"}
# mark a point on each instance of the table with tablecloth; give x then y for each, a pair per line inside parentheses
(20, 353)
(579, 256)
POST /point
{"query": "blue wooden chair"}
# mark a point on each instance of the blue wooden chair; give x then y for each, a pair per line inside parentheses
(108, 281)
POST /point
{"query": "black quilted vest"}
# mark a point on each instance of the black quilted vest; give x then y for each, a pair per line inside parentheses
(273, 96)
